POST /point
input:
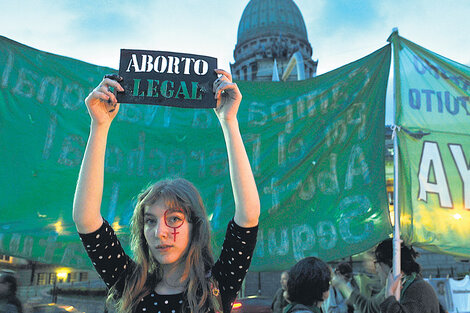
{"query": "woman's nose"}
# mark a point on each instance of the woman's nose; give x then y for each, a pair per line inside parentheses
(161, 230)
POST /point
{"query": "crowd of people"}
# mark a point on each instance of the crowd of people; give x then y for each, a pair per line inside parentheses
(336, 291)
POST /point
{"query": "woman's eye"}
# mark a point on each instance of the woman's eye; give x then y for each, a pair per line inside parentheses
(149, 221)
(174, 221)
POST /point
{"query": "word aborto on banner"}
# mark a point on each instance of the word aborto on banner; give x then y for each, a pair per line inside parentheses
(167, 78)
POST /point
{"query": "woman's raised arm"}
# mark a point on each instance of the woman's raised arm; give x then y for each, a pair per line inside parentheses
(247, 203)
(102, 107)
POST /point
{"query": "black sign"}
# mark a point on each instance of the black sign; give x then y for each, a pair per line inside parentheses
(167, 78)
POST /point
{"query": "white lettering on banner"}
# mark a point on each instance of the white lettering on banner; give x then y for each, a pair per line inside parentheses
(113, 202)
(135, 161)
(113, 159)
(202, 119)
(25, 85)
(327, 235)
(287, 117)
(72, 151)
(431, 162)
(256, 115)
(215, 218)
(303, 239)
(355, 217)
(307, 189)
(276, 188)
(72, 255)
(7, 71)
(28, 244)
(50, 245)
(306, 240)
(337, 132)
(328, 180)
(15, 244)
(464, 171)
(30, 84)
(51, 129)
(357, 166)
(281, 248)
(56, 84)
(78, 92)
(255, 140)
(431, 159)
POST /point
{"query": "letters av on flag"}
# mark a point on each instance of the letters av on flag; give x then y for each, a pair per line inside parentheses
(167, 78)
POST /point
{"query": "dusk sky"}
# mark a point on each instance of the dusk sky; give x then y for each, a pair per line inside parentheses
(340, 31)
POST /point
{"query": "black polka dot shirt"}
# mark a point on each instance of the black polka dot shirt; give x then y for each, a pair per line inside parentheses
(112, 263)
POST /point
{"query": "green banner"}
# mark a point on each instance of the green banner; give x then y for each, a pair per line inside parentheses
(316, 148)
(433, 98)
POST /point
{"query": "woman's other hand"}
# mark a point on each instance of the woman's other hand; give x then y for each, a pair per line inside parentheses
(228, 96)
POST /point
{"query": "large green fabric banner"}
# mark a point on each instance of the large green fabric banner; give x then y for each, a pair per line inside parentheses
(316, 149)
(432, 96)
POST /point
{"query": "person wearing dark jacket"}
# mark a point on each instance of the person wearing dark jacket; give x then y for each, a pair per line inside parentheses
(308, 286)
(9, 302)
(416, 294)
(279, 302)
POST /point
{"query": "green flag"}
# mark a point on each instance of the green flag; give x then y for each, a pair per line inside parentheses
(316, 148)
(432, 97)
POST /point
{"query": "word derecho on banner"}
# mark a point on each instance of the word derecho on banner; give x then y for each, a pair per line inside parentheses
(167, 78)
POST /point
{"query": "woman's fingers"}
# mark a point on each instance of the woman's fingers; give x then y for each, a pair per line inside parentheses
(226, 87)
(224, 73)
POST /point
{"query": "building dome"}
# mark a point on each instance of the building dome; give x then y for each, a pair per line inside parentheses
(271, 34)
(271, 17)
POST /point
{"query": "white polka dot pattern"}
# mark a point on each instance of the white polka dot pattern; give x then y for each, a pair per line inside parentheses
(111, 262)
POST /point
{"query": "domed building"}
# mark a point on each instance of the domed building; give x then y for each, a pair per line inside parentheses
(271, 34)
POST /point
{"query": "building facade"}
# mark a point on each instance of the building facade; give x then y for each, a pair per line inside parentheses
(270, 34)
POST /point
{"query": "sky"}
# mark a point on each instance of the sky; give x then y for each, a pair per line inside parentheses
(340, 31)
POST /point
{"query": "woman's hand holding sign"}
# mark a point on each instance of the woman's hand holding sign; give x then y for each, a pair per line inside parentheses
(228, 96)
(101, 102)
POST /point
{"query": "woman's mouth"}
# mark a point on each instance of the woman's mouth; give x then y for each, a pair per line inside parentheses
(163, 248)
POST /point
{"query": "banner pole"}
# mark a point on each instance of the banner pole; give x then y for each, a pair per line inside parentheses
(395, 128)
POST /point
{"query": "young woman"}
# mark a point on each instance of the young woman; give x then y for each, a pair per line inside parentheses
(173, 270)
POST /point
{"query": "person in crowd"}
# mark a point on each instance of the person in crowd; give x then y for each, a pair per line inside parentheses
(9, 302)
(416, 295)
(173, 268)
(308, 286)
(337, 303)
(279, 302)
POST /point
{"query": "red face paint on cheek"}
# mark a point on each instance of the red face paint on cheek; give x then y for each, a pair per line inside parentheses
(174, 221)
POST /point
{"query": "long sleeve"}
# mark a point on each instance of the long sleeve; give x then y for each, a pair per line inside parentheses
(418, 297)
(234, 261)
(365, 304)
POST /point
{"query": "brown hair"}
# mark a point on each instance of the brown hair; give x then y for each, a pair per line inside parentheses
(176, 193)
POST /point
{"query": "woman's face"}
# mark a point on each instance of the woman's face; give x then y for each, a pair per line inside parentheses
(167, 232)
(382, 270)
(284, 278)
